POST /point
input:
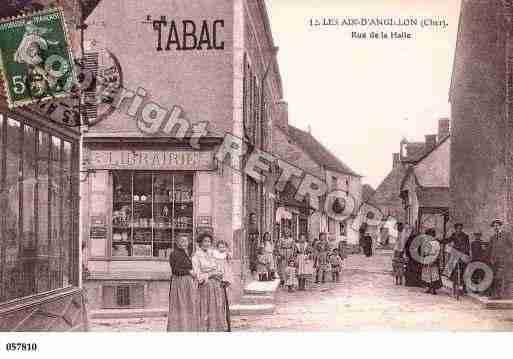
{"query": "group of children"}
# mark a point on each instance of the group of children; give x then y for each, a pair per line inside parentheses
(322, 265)
(309, 260)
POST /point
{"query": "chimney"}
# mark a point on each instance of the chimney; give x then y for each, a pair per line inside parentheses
(283, 115)
(444, 128)
(396, 160)
(430, 142)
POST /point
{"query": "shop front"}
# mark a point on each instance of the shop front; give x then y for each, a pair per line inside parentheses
(39, 244)
(140, 199)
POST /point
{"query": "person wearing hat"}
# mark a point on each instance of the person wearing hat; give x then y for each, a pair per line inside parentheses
(501, 261)
(461, 244)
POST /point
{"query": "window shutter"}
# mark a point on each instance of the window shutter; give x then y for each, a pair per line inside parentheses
(90, 109)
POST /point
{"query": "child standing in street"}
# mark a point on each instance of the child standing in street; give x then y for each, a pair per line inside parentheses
(291, 278)
(269, 256)
(261, 265)
(322, 264)
(336, 265)
(303, 256)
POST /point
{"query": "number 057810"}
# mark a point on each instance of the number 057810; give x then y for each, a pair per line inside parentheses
(21, 347)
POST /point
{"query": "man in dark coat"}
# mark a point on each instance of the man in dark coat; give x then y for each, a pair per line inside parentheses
(460, 243)
(478, 248)
(479, 253)
(501, 260)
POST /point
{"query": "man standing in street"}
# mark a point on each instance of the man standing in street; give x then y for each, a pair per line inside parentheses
(461, 244)
(478, 251)
(501, 260)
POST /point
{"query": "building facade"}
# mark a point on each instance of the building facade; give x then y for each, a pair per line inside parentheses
(425, 190)
(481, 105)
(304, 151)
(187, 75)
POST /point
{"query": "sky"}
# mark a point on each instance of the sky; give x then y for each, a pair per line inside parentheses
(360, 97)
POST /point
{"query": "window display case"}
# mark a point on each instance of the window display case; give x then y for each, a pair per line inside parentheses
(149, 210)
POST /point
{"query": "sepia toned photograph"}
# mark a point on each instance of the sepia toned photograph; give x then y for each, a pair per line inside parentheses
(255, 166)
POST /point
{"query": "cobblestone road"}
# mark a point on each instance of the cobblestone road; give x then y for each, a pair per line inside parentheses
(366, 300)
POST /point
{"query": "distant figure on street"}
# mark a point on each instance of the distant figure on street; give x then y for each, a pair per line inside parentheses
(304, 262)
(322, 263)
(365, 240)
(398, 262)
(284, 252)
(478, 247)
(412, 277)
(261, 265)
(461, 243)
(269, 256)
(431, 253)
(336, 265)
(290, 275)
(501, 259)
(253, 242)
(479, 253)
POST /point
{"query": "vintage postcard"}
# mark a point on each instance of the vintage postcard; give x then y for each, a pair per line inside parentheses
(255, 166)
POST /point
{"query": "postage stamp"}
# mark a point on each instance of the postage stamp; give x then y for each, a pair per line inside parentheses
(35, 57)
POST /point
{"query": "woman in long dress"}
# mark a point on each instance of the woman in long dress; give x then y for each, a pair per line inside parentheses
(430, 268)
(213, 303)
(183, 291)
(413, 272)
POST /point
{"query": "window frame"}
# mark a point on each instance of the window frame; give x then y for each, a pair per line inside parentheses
(175, 230)
(72, 243)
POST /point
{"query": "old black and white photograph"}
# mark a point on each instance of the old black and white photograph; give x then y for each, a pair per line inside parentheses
(255, 166)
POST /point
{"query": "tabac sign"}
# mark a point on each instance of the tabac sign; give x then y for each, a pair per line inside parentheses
(152, 160)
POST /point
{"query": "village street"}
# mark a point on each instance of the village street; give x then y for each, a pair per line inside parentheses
(366, 300)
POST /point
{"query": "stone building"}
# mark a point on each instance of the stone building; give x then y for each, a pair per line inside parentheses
(481, 104)
(389, 197)
(303, 150)
(480, 97)
(184, 75)
(424, 189)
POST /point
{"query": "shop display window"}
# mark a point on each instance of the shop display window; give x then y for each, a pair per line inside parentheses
(149, 211)
(37, 226)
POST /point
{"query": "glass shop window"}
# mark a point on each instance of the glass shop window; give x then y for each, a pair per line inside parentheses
(149, 211)
(36, 223)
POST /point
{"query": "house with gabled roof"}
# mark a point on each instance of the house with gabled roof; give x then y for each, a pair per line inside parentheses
(387, 197)
(424, 189)
(302, 149)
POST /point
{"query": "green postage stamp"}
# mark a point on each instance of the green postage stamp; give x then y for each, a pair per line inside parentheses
(35, 57)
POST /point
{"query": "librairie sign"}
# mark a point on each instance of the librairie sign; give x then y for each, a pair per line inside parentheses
(152, 160)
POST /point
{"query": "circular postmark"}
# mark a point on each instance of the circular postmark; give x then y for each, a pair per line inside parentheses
(100, 78)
